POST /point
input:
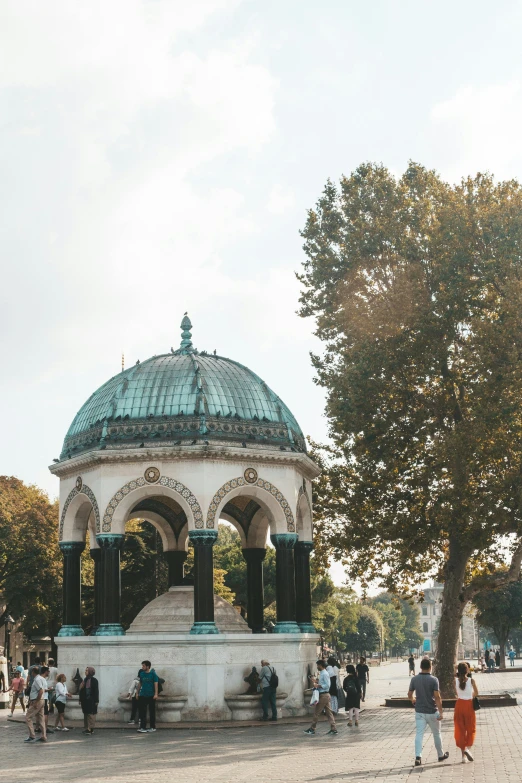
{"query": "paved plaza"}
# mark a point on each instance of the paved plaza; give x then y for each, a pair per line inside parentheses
(380, 750)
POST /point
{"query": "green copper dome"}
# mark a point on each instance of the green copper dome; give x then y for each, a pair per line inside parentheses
(185, 397)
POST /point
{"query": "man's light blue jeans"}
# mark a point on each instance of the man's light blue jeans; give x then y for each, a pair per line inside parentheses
(423, 719)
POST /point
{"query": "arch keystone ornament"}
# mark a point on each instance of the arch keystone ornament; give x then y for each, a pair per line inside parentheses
(241, 481)
(83, 490)
(152, 475)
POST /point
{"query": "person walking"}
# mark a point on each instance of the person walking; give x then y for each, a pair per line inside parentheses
(497, 659)
(428, 709)
(512, 655)
(89, 697)
(35, 710)
(491, 662)
(411, 665)
(352, 689)
(464, 716)
(62, 694)
(51, 682)
(147, 695)
(17, 688)
(269, 692)
(486, 656)
(333, 671)
(133, 695)
(322, 683)
(363, 673)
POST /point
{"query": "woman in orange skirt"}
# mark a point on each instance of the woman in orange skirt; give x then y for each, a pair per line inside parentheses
(464, 716)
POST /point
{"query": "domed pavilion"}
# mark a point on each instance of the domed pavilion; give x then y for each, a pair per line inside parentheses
(183, 440)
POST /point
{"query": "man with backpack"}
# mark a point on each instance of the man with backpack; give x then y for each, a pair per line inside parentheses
(269, 682)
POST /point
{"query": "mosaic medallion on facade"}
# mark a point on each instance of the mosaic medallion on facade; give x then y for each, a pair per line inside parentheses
(250, 475)
(240, 482)
(79, 483)
(152, 475)
(84, 490)
(165, 481)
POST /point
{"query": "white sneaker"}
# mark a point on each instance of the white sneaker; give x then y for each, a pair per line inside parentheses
(142, 731)
(131, 722)
(59, 728)
(149, 731)
(65, 729)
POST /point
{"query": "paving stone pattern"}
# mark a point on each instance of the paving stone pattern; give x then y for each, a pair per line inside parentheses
(381, 749)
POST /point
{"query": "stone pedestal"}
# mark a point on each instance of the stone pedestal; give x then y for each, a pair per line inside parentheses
(206, 671)
(247, 706)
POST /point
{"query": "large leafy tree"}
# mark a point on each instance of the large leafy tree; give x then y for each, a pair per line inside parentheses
(367, 636)
(500, 610)
(416, 288)
(30, 560)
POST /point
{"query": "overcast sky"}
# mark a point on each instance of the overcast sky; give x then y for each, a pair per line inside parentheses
(159, 156)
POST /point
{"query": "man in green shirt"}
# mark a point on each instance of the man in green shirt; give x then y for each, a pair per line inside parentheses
(147, 695)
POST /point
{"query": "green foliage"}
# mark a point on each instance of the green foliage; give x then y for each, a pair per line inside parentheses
(416, 289)
(368, 634)
(500, 610)
(30, 560)
(144, 573)
(401, 622)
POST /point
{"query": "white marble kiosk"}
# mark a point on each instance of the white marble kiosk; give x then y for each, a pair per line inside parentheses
(183, 440)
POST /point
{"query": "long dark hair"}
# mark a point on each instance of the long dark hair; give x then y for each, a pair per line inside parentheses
(462, 674)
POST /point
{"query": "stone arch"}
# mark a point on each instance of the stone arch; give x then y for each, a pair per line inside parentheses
(270, 496)
(73, 504)
(304, 519)
(124, 499)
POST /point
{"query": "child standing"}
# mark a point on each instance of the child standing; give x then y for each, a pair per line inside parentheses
(352, 689)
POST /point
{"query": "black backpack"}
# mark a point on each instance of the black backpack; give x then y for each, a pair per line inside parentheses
(161, 683)
(274, 679)
(350, 686)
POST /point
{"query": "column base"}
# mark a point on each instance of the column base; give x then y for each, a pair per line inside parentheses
(201, 628)
(307, 628)
(286, 626)
(109, 629)
(71, 630)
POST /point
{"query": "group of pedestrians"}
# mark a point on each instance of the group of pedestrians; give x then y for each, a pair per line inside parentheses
(327, 690)
(425, 695)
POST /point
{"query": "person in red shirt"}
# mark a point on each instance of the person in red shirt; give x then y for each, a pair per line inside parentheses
(17, 689)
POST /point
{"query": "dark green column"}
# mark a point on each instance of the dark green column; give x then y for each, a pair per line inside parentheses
(96, 556)
(303, 592)
(255, 589)
(72, 588)
(175, 560)
(203, 541)
(111, 545)
(284, 544)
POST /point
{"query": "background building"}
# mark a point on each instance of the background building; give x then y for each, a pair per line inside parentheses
(429, 620)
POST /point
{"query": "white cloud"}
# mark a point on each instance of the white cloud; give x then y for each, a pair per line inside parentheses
(280, 200)
(478, 129)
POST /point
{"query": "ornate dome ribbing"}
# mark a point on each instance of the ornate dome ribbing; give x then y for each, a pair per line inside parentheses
(183, 398)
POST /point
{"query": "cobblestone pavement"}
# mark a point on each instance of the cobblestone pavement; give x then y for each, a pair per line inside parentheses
(381, 749)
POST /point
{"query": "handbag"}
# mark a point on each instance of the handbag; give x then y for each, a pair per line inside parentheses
(476, 703)
(315, 697)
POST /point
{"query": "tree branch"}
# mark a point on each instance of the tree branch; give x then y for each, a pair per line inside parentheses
(499, 579)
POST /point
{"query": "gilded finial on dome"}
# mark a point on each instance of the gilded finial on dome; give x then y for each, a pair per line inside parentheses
(186, 336)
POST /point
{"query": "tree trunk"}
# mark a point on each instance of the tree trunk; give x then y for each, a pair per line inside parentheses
(451, 616)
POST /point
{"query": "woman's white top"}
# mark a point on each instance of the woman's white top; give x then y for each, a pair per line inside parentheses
(467, 693)
(61, 692)
(333, 671)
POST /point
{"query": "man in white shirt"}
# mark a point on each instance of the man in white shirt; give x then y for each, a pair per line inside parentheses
(36, 705)
(51, 684)
(322, 683)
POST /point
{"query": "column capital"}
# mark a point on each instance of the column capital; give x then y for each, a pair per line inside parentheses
(71, 547)
(254, 554)
(110, 540)
(205, 537)
(304, 546)
(284, 540)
